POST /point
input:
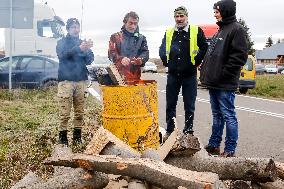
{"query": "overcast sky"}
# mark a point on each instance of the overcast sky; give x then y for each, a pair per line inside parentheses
(102, 18)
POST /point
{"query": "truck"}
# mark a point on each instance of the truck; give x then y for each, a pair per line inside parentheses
(248, 72)
(42, 38)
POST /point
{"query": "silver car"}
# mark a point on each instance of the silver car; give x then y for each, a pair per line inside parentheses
(150, 67)
(271, 68)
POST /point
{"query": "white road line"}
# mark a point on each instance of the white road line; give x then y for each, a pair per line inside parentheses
(264, 99)
(94, 93)
(240, 108)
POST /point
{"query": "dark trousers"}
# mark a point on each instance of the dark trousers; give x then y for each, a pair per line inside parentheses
(189, 93)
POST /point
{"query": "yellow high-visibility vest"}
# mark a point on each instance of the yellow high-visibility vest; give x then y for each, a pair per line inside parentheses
(193, 48)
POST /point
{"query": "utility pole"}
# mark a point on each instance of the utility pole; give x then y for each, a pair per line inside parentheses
(11, 44)
(82, 14)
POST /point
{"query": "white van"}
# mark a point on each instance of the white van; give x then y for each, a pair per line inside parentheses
(42, 39)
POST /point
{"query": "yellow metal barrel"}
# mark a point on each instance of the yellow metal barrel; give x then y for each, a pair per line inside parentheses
(131, 113)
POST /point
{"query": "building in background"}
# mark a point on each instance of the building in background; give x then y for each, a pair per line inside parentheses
(270, 55)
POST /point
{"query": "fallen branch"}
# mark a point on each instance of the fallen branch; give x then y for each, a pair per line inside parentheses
(278, 184)
(77, 178)
(155, 172)
(236, 168)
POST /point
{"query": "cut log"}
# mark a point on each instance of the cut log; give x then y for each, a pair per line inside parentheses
(77, 178)
(155, 172)
(280, 169)
(29, 179)
(61, 172)
(115, 76)
(104, 142)
(236, 168)
(164, 150)
(186, 145)
(239, 184)
(61, 151)
(278, 184)
(136, 184)
(116, 182)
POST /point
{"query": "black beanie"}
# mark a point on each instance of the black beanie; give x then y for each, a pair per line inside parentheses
(227, 8)
(72, 21)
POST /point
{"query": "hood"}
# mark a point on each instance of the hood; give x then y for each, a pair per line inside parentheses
(227, 8)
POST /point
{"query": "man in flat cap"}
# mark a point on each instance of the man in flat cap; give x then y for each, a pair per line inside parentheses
(182, 51)
(74, 54)
(220, 73)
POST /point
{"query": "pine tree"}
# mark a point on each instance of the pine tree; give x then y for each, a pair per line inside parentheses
(269, 42)
(250, 43)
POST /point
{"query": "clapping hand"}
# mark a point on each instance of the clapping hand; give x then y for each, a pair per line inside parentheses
(85, 45)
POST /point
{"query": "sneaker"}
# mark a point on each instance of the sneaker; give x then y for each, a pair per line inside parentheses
(212, 151)
(228, 154)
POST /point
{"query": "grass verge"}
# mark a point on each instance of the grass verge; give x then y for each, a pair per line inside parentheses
(269, 86)
(28, 132)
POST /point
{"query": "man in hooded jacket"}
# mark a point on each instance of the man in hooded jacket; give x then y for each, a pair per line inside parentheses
(220, 73)
(73, 54)
(128, 49)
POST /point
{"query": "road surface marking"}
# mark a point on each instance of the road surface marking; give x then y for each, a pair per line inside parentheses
(264, 99)
(240, 108)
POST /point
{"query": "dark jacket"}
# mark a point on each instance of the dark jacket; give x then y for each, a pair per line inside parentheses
(226, 54)
(180, 61)
(72, 60)
(131, 45)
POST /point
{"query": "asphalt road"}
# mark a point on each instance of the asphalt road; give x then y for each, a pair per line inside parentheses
(261, 121)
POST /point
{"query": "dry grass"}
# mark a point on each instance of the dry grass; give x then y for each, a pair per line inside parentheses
(28, 132)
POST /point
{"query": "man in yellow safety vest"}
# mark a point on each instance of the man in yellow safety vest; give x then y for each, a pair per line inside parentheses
(182, 51)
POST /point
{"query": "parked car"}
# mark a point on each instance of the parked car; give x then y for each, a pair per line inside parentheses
(259, 69)
(29, 71)
(150, 67)
(98, 68)
(271, 68)
(280, 68)
(282, 72)
(247, 77)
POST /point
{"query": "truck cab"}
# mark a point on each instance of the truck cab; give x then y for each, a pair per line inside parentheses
(42, 38)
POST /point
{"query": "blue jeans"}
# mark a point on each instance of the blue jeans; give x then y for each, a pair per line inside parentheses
(223, 111)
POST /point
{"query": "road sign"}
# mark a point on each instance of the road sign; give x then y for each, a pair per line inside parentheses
(22, 11)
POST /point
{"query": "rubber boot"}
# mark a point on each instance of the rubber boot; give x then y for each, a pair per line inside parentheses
(77, 132)
(188, 126)
(63, 137)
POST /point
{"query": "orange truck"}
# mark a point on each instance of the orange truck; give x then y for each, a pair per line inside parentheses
(248, 74)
